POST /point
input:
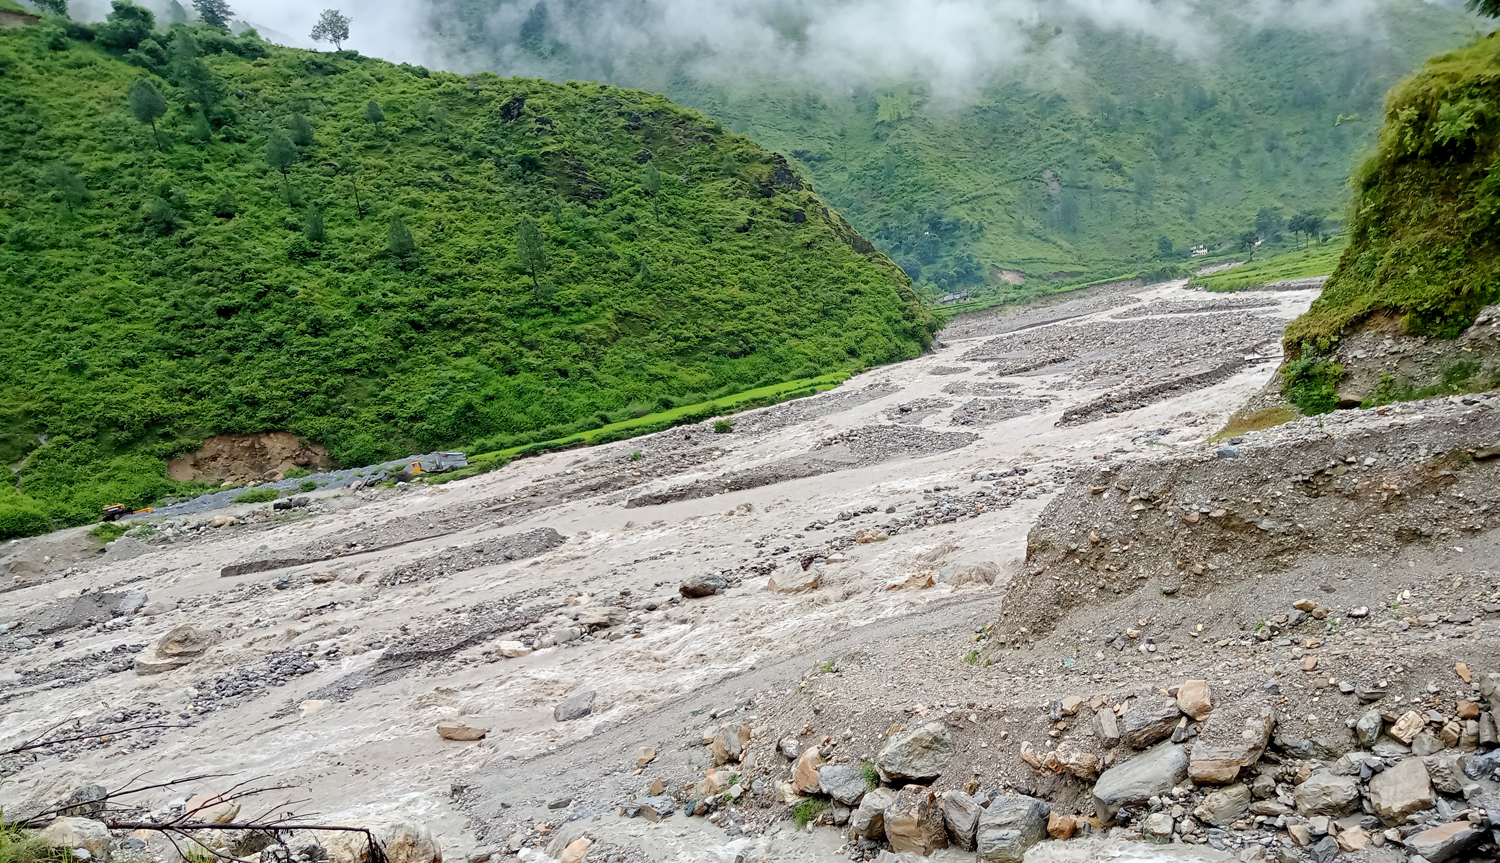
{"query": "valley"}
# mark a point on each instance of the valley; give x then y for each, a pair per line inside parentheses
(945, 547)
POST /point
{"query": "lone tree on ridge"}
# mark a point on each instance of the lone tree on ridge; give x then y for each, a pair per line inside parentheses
(147, 104)
(215, 13)
(332, 26)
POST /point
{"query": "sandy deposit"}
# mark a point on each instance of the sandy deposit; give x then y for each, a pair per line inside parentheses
(425, 605)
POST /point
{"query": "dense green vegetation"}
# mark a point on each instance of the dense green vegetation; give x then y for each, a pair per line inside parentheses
(1072, 165)
(1318, 259)
(380, 258)
(1423, 240)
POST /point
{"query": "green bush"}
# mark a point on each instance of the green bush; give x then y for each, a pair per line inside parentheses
(723, 426)
(21, 516)
(258, 495)
(296, 473)
(18, 845)
(308, 485)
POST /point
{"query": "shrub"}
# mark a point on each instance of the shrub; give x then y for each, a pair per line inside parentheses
(296, 472)
(723, 426)
(308, 485)
(259, 495)
(21, 516)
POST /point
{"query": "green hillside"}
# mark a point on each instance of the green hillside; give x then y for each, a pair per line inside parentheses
(161, 286)
(1423, 244)
(1066, 170)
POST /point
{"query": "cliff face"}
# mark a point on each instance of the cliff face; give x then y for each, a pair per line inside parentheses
(1424, 254)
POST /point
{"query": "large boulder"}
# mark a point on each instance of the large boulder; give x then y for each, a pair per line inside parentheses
(1011, 824)
(730, 742)
(1222, 807)
(1399, 791)
(868, 821)
(915, 822)
(86, 833)
(575, 706)
(177, 648)
(845, 783)
(916, 756)
(1233, 739)
(1135, 781)
(85, 802)
(703, 584)
(1148, 721)
(1325, 793)
(402, 841)
(1449, 842)
(961, 815)
(1489, 689)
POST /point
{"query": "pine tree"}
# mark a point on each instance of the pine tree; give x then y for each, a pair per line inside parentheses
(68, 184)
(53, 7)
(531, 253)
(313, 229)
(302, 130)
(332, 26)
(204, 88)
(147, 104)
(347, 165)
(373, 114)
(400, 242)
(1488, 8)
(281, 154)
(175, 13)
(215, 13)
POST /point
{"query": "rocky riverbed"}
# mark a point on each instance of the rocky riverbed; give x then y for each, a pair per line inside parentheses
(1010, 594)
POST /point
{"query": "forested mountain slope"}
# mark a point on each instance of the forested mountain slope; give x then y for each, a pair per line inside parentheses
(1072, 158)
(379, 258)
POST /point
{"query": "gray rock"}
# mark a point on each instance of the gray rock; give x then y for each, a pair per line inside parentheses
(1446, 771)
(575, 706)
(1447, 842)
(1228, 452)
(1325, 793)
(868, 821)
(1367, 730)
(1012, 824)
(916, 756)
(843, 782)
(1481, 766)
(1221, 808)
(1402, 790)
(1148, 721)
(703, 584)
(72, 613)
(789, 747)
(130, 604)
(961, 814)
(86, 802)
(1137, 780)
(1107, 728)
(1489, 689)
(1157, 828)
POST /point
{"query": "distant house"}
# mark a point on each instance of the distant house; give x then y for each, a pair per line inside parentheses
(950, 299)
(1200, 251)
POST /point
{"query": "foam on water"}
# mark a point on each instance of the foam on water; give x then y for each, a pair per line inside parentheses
(1119, 851)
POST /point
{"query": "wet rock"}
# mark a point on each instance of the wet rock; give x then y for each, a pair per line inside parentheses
(1232, 740)
(703, 584)
(1137, 780)
(961, 816)
(794, 579)
(402, 841)
(1193, 698)
(1401, 790)
(1222, 807)
(843, 782)
(1148, 721)
(1449, 842)
(914, 822)
(86, 833)
(868, 820)
(461, 732)
(656, 807)
(177, 648)
(1011, 824)
(916, 756)
(1326, 794)
(212, 808)
(575, 706)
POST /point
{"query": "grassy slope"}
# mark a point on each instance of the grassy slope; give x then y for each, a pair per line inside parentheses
(1317, 259)
(1145, 144)
(124, 343)
(1424, 245)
